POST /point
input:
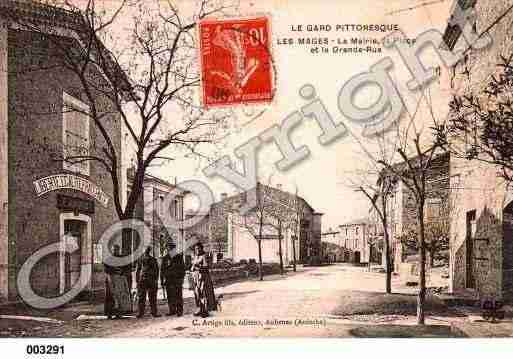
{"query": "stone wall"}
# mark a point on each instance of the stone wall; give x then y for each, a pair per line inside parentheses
(354, 238)
(4, 150)
(37, 81)
(478, 188)
(218, 220)
(403, 209)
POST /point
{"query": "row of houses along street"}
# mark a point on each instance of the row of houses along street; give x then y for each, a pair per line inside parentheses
(469, 200)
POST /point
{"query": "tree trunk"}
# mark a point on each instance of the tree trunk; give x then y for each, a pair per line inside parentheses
(280, 250)
(260, 265)
(370, 257)
(421, 298)
(388, 261)
(294, 253)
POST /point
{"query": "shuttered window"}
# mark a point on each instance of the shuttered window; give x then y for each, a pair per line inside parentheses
(75, 139)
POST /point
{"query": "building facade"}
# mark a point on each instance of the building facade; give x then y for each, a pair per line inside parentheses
(403, 215)
(402, 211)
(357, 241)
(159, 203)
(481, 248)
(354, 237)
(43, 118)
(229, 237)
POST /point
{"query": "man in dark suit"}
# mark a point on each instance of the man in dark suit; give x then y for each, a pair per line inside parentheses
(147, 276)
(172, 274)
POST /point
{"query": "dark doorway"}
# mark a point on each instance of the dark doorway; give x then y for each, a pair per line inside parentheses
(469, 241)
(73, 230)
(357, 257)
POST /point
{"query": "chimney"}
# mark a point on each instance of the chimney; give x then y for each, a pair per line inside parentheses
(224, 195)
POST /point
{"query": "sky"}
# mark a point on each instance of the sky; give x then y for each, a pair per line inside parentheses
(324, 179)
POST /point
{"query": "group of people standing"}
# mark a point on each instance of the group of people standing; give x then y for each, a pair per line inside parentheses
(172, 273)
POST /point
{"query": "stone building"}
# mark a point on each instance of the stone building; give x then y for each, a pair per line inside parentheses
(354, 237)
(403, 207)
(161, 201)
(481, 248)
(357, 241)
(43, 117)
(227, 237)
(332, 249)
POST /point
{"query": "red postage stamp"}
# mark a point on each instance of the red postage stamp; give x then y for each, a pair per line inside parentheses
(236, 62)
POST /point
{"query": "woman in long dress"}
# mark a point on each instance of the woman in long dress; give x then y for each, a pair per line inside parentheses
(117, 292)
(203, 287)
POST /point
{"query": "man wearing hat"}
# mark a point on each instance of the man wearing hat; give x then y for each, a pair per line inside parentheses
(147, 275)
(172, 273)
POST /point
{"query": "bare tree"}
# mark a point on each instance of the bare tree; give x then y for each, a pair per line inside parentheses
(275, 213)
(275, 217)
(281, 212)
(254, 222)
(377, 184)
(251, 222)
(149, 83)
(409, 153)
(419, 150)
(298, 214)
(378, 195)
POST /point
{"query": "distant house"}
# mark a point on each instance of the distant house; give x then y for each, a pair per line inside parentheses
(223, 234)
(354, 237)
(332, 249)
(402, 210)
(356, 241)
(154, 208)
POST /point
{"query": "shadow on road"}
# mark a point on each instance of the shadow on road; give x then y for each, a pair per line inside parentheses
(403, 331)
(232, 295)
(378, 303)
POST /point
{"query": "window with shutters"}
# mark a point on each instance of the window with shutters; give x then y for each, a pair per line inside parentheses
(75, 135)
(174, 209)
(433, 209)
(161, 206)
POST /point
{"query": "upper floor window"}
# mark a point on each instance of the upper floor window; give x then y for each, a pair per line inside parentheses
(160, 208)
(75, 135)
(433, 209)
(174, 209)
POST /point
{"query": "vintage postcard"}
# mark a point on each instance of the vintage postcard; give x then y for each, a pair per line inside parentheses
(248, 169)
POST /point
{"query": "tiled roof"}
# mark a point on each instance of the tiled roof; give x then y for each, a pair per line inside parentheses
(227, 199)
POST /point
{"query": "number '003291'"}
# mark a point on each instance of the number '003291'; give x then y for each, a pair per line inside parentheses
(41, 349)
